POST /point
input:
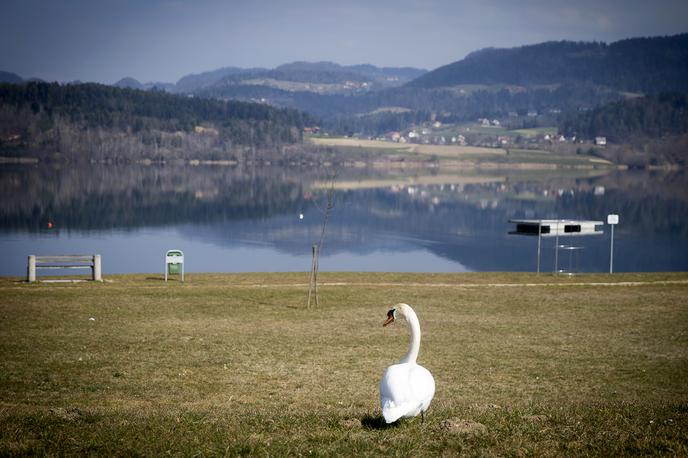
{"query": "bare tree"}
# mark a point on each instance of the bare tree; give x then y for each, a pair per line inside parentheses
(326, 211)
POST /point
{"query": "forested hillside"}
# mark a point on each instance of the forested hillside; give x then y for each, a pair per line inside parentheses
(88, 120)
(529, 86)
(190, 84)
(631, 91)
(648, 65)
(629, 120)
(8, 77)
(322, 77)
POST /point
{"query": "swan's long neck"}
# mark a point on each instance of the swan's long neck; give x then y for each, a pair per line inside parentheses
(414, 346)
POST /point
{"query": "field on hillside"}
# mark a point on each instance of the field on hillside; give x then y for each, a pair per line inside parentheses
(465, 156)
(223, 364)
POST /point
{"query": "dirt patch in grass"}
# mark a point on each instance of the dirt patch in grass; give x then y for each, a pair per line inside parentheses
(461, 427)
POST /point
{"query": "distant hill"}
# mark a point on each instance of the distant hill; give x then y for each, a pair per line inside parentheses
(87, 121)
(316, 77)
(648, 65)
(195, 82)
(400, 74)
(129, 82)
(132, 83)
(8, 77)
(329, 72)
(316, 72)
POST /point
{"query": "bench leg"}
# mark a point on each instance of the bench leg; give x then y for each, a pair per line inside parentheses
(31, 269)
(97, 272)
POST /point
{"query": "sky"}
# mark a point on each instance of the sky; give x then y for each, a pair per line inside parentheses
(163, 40)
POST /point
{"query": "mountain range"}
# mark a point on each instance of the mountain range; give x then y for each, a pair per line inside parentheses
(544, 84)
(546, 78)
(318, 77)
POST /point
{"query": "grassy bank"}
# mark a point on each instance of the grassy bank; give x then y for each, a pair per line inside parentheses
(235, 364)
(464, 156)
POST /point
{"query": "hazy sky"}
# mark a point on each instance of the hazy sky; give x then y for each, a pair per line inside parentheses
(162, 40)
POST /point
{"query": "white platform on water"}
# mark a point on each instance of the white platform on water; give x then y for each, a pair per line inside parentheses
(556, 227)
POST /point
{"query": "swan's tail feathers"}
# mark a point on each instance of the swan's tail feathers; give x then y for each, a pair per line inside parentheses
(392, 412)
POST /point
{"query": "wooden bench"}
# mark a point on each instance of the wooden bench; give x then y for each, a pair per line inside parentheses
(65, 262)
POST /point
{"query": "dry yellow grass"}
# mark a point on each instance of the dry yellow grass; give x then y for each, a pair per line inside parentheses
(410, 180)
(456, 151)
(235, 365)
(462, 157)
(449, 151)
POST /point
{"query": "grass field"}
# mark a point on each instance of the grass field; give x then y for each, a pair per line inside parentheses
(236, 365)
(464, 155)
(534, 132)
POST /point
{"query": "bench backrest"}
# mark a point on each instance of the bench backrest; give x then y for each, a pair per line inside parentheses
(65, 259)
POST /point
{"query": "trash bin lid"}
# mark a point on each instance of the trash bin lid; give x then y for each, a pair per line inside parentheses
(174, 256)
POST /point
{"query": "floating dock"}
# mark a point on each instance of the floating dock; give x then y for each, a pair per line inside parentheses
(556, 227)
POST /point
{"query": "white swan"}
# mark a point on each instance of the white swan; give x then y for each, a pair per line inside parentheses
(406, 389)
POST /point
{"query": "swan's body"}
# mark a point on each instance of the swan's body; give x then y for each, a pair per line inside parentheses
(406, 389)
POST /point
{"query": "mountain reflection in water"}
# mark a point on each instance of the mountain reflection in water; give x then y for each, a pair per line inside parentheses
(240, 219)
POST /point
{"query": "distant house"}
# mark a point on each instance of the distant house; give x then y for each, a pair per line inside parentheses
(392, 136)
(206, 130)
(600, 141)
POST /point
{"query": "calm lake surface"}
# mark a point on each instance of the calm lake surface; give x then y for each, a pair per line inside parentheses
(255, 219)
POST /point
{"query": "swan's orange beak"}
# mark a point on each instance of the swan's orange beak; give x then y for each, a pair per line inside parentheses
(390, 318)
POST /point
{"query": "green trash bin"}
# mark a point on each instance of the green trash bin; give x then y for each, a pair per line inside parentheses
(174, 263)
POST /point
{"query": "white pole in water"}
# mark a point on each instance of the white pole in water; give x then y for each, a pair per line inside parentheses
(556, 251)
(539, 238)
(612, 220)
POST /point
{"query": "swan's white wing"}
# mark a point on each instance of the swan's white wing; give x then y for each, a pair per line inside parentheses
(394, 392)
(422, 386)
(405, 390)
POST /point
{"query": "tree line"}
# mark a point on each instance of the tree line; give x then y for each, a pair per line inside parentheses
(632, 120)
(38, 116)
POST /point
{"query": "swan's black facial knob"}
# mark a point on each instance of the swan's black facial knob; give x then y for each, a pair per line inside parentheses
(390, 317)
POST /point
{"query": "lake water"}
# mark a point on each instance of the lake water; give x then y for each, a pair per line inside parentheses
(255, 219)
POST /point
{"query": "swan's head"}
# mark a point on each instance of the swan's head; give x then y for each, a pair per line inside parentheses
(399, 309)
